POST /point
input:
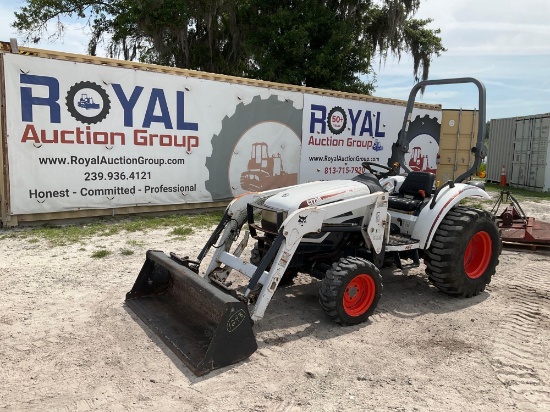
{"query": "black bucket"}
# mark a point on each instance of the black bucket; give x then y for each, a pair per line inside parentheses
(205, 327)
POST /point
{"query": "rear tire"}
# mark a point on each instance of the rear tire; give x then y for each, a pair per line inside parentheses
(350, 291)
(464, 252)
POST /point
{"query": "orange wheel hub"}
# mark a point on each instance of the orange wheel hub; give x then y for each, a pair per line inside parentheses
(359, 295)
(478, 255)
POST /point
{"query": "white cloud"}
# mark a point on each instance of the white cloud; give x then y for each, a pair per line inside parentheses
(503, 43)
(490, 26)
(6, 18)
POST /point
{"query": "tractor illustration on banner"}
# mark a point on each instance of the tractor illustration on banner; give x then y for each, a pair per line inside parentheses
(240, 161)
(265, 172)
(87, 102)
(419, 162)
(423, 140)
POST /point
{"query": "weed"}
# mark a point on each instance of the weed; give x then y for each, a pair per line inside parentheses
(181, 231)
(101, 253)
(126, 252)
(519, 194)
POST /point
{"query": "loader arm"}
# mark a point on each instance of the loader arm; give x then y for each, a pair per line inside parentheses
(374, 229)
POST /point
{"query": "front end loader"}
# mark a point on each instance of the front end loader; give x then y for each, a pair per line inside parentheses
(207, 324)
(340, 232)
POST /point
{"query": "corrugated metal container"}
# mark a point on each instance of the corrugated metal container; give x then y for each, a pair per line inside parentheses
(3, 154)
(501, 148)
(458, 136)
(531, 153)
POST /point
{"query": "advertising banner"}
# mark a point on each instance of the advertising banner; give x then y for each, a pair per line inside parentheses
(87, 136)
(339, 134)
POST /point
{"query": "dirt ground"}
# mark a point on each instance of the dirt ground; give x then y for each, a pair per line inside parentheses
(69, 343)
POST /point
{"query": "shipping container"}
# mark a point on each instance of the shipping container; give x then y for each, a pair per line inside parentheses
(500, 152)
(530, 167)
(519, 147)
(458, 137)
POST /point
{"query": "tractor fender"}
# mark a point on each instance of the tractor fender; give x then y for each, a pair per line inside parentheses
(429, 219)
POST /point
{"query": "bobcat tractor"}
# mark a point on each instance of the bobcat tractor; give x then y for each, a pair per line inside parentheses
(341, 232)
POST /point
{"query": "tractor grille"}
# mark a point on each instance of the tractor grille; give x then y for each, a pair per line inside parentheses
(270, 219)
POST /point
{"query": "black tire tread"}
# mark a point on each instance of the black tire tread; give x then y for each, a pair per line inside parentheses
(444, 258)
(333, 282)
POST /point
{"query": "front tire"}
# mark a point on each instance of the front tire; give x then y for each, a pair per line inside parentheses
(464, 252)
(350, 291)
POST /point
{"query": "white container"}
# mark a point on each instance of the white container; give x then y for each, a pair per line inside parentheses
(500, 148)
(530, 167)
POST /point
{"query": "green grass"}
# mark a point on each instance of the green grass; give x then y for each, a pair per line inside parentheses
(478, 203)
(519, 194)
(181, 231)
(78, 233)
(126, 252)
(101, 253)
(183, 225)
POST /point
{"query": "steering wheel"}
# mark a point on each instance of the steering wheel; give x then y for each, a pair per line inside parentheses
(380, 174)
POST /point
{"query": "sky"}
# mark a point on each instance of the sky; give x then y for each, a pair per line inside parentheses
(503, 43)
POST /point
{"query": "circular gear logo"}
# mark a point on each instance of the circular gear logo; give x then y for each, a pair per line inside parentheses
(337, 120)
(88, 102)
(423, 145)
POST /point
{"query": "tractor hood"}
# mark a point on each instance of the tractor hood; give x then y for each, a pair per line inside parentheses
(316, 193)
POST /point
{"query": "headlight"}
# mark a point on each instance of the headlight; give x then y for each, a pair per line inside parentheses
(269, 220)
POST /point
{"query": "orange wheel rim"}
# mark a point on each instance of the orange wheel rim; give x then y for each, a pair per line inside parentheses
(359, 295)
(478, 255)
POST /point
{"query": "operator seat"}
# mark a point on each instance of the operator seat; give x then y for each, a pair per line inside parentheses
(416, 187)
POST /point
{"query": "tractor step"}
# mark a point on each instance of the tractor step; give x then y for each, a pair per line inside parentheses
(399, 245)
(415, 257)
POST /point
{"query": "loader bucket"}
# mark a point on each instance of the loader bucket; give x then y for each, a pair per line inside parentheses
(204, 326)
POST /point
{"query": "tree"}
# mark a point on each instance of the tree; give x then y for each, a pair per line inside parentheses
(328, 44)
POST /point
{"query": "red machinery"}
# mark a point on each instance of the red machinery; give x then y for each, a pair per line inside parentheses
(516, 227)
(419, 162)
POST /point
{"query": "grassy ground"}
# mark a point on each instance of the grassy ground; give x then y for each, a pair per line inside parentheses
(521, 195)
(182, 226)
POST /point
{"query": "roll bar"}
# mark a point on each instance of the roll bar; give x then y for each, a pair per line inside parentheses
(479, 150)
